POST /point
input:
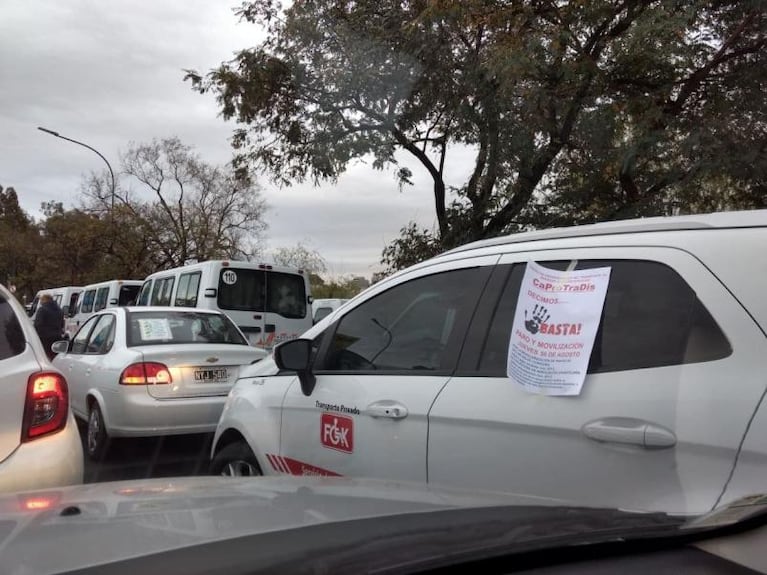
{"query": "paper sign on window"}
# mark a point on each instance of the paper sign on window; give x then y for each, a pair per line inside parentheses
(155, 329)
(554, 328)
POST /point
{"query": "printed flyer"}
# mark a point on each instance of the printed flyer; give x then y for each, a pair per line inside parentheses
(554, 328)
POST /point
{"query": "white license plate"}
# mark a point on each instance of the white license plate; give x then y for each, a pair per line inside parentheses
(211, 375)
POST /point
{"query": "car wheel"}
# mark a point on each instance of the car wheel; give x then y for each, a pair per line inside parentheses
(96, 434)
(235, 460)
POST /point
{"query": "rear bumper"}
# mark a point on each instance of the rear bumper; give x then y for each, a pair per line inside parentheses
(50, 461)
(134, 413)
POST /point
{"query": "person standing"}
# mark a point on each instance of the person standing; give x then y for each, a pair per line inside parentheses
(49, 323)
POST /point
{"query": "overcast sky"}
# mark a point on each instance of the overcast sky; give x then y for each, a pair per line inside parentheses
(108, 73)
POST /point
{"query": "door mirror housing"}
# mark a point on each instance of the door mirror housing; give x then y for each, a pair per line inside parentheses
(296, 355)
(61, 346)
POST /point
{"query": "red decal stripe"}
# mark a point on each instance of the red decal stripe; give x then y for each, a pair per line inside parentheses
(273, 461)
(296, 467)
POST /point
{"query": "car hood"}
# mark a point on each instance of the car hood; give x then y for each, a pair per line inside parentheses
(85, 526)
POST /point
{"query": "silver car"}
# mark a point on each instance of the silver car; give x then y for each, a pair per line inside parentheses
(39, 443)
(148, 371)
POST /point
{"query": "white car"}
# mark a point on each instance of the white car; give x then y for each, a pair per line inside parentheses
(147, 371)
(39, 442)
(322, 308)
(413, 379)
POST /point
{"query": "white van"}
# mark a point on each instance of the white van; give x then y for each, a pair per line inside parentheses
(96, 297)
(270, 304)
(324, 307)
(66, 297)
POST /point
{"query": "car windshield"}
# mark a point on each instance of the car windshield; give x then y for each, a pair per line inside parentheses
(159, 328)
(445, 254)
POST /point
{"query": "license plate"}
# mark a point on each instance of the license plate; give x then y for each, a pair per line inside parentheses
(212, 375)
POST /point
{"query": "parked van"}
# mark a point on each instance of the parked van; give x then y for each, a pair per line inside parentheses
(324, 307)
(66, 297)
(270, 304)
(96, 297)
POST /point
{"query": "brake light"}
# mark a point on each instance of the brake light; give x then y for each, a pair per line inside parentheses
(145, 373)
(46, 406)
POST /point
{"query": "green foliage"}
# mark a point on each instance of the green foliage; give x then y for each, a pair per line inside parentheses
(413, 245)
(576, 111)
(301, 257)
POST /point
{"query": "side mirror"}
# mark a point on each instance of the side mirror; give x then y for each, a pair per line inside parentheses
(210, 292)
(310, 299)
(61, 346)
(296, 355)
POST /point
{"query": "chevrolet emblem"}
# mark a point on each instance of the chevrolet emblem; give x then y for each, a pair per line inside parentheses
(212, 360)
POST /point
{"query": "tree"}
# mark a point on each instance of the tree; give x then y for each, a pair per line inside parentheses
(302, 257)
(17, 242)
(575, 111)
(197, 211)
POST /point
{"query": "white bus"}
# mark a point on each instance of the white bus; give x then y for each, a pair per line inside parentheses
(65, 296)
(96, 297)
(270, 304)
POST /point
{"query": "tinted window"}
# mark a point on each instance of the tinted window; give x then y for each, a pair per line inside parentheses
(81, 337)
(12, 340)
(127, 295)
(188, 285)
(162, 291)
(322, 313)
(146, 290)
(157, 328)
(101, 299)
(72, 303)
(286, 294)
(102, 337)
(651, 318)
(408, 327)
(241, 289)
(88, 297)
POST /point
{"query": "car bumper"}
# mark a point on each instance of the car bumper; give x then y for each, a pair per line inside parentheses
(137, 414)
(50, 461)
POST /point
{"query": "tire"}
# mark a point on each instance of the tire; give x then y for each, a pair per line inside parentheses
(235, 460)
(96, 436)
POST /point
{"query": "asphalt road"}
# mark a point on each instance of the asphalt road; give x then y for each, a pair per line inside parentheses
(170, 456)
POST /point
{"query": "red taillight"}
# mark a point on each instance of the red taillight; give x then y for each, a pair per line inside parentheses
(146, 373)
(46, 407)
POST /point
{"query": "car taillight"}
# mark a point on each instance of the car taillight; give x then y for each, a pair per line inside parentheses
(46, 406)
(145, 373)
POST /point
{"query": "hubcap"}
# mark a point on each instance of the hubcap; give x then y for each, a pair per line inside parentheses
(239, 468)
(94, 428)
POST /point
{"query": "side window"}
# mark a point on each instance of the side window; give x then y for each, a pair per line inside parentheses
(101, 299)
(127, 295)
(415, 326)
(72, 303)
(183, 285)
(651, 318)
(81, 337)
(146, 290)
(193, 289)
(162, 291)
(12, 340)
(188, 285)
(88, 297)
(102, 337)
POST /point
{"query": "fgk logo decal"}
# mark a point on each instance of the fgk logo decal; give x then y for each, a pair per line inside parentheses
(337, 432)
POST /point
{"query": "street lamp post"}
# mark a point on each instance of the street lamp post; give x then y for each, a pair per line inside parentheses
(100, 155)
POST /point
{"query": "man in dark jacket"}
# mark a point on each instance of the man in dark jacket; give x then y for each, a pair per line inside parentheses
(49, 323)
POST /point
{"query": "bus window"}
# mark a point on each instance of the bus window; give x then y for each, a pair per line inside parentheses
(241, 289)
(127, 295)
(286, 295)
(146, 290)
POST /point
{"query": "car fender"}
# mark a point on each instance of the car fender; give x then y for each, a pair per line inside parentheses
(254, 410)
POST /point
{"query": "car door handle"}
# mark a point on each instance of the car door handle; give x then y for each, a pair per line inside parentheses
(387, 408)
(88, 371)
(629, 431)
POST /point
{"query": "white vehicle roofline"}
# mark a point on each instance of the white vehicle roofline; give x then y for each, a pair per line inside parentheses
(735, 219)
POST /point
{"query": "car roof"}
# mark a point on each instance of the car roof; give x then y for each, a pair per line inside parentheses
(734, 219)
(155, 308)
